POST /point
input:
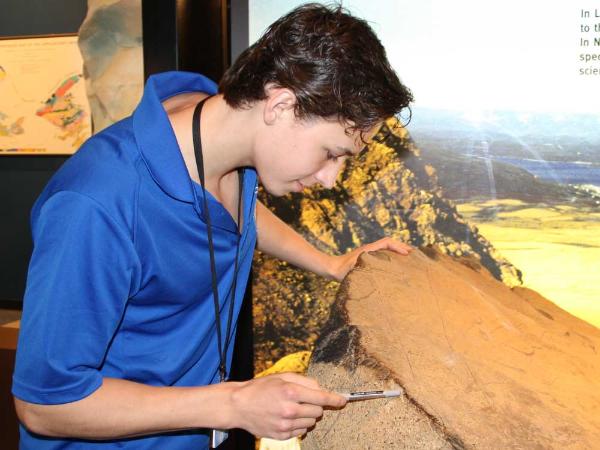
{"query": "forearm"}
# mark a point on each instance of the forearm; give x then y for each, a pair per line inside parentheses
(121, 408)
(278, 239)
(278, 406)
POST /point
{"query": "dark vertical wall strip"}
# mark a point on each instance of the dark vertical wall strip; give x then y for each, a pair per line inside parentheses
(23, 177)
(186, 35)
(239, 31)
(203, 40)
(159, 31)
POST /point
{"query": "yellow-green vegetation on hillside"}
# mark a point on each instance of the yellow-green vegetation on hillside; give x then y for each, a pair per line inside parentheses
(386, 191)
(557, 248)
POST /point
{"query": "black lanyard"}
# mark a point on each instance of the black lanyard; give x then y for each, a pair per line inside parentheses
(200, 166)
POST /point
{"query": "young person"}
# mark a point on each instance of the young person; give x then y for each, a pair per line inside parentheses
(144, 241)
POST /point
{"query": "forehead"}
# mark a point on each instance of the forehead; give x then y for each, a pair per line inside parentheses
(337, 134)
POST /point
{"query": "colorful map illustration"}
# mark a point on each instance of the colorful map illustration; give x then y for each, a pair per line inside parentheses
(62, 111)
(43, 103)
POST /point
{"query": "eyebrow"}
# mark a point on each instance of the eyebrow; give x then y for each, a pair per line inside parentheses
(346, 151)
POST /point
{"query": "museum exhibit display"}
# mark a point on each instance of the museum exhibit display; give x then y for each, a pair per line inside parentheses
(489, 329)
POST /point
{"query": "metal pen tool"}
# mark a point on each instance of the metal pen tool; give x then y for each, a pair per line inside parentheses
(370, 395)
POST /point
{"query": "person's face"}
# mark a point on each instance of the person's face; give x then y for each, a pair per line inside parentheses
(292, 154)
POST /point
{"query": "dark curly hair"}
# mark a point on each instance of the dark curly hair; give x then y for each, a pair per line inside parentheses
(333, 63)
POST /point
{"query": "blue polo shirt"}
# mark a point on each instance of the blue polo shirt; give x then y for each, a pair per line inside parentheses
(119, 279)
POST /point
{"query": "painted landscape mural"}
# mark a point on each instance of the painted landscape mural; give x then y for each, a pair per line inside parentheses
(504, 139)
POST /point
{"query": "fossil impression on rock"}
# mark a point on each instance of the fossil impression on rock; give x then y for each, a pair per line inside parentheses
(482, 366)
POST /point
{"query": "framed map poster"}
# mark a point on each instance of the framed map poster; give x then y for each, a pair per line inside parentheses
(43, 104)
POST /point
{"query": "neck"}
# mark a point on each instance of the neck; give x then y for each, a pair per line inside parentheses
(226, 137)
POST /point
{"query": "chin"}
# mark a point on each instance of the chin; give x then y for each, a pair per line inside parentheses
(277, 191)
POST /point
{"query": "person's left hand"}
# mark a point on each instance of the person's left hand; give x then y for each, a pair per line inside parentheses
(343, 264)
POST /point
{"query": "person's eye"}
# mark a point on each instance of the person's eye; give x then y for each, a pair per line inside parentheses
(331, 156)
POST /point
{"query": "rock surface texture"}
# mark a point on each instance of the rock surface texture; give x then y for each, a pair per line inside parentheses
(482, 366)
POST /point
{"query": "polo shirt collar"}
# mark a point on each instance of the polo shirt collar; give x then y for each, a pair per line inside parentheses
(155, 136)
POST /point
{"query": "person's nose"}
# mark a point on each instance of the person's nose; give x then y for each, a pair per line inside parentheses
(327, 175)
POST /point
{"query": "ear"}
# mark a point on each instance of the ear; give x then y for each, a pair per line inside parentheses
(279, 102)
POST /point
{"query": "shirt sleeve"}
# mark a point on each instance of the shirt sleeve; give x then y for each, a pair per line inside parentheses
(83, 269)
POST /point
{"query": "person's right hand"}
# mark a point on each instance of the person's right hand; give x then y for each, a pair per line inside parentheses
(281, 406)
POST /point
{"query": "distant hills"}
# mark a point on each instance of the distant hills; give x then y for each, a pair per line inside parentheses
(468, 154)
(464, 179)
(553, 137)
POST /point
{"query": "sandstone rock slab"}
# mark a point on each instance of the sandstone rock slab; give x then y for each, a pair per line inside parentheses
(482, 366)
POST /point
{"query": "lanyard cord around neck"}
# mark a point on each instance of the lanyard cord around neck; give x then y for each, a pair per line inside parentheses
(200, 166)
